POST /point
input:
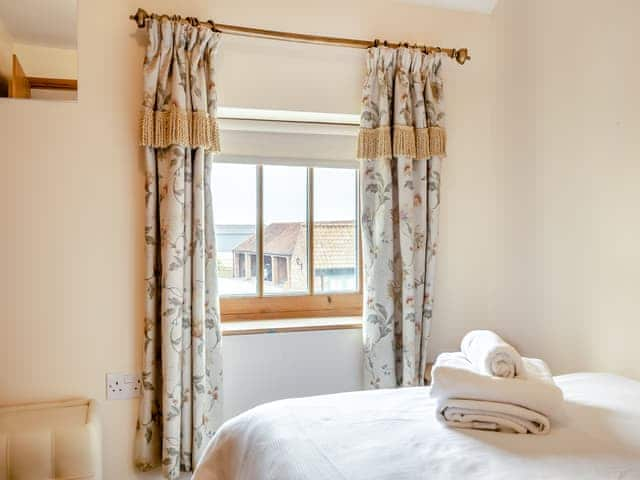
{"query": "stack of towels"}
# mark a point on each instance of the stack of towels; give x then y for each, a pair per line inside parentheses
(489, 386)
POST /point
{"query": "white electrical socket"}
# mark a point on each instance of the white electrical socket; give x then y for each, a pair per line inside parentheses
(121, 386)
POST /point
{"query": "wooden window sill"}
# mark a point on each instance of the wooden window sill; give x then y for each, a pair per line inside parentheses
(255, 327)
(331, 305)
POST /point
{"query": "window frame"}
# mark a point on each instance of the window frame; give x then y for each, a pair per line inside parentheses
(306, 305)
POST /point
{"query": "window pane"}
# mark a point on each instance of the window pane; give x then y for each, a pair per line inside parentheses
(334, 230)
(234, 213)
(285, 229)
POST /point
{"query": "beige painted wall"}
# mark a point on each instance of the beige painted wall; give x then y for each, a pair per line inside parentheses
(568, 176)
(72, 194)
(38, 61)
(539, 215)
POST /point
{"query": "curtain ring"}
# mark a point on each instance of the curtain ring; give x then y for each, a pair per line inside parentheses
(385, 43)
(212, 24)
(376, 42)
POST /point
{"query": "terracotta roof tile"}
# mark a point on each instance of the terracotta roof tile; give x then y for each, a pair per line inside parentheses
(334, 245)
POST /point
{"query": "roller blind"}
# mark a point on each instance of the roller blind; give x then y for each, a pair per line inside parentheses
(301, 142)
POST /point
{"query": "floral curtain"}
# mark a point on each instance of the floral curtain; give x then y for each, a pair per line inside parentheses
(181, 404)
(401, 145)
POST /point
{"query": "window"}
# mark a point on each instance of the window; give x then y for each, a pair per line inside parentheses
(285, 229)
(234, 214)
(287, 240)
(335, 235)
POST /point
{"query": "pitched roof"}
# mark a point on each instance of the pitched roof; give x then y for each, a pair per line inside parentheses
(334, 242)
(279, 239)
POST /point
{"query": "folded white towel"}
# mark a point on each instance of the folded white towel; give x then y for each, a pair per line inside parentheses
(481, 415)
(491, 355)
(453, 377)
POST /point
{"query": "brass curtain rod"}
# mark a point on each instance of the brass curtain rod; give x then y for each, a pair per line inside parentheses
(461, 55)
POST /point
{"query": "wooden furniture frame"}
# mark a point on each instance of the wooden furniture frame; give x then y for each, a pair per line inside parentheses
(21, 85)
(53, 83)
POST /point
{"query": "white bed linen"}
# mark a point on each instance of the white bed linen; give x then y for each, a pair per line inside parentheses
(394, 434)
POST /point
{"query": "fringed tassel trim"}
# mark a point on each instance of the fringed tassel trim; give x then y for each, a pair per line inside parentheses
(204, 131)
(146, 127)
(171, 128)
(404, 141)
(422, 143)
(177, 127)
(419, 143)
(437, 141)
(374, 143)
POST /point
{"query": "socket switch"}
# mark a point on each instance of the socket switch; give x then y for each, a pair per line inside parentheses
(121, 386)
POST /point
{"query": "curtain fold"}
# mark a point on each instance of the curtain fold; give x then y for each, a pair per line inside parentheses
(181, 405)
(401, 145)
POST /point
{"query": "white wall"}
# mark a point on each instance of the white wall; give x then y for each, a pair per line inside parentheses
(568, 176)
(54, 94)
(72, 201)
(263, 368)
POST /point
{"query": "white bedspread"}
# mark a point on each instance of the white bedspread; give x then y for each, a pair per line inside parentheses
(394, 434)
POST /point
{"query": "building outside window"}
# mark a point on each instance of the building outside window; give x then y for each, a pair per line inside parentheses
(285, 263)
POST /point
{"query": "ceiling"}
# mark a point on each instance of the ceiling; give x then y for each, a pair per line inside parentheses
(50, 23)
(482, 6)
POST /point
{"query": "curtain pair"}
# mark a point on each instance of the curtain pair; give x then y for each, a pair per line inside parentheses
(401, 144)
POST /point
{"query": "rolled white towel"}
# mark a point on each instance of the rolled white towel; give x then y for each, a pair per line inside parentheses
(491, 355)
(495, 416)
(453, 377)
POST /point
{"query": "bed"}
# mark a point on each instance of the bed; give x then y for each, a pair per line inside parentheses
(393, 434)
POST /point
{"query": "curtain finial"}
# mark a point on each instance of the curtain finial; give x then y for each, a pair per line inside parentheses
(462, 56)
(140, 17)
